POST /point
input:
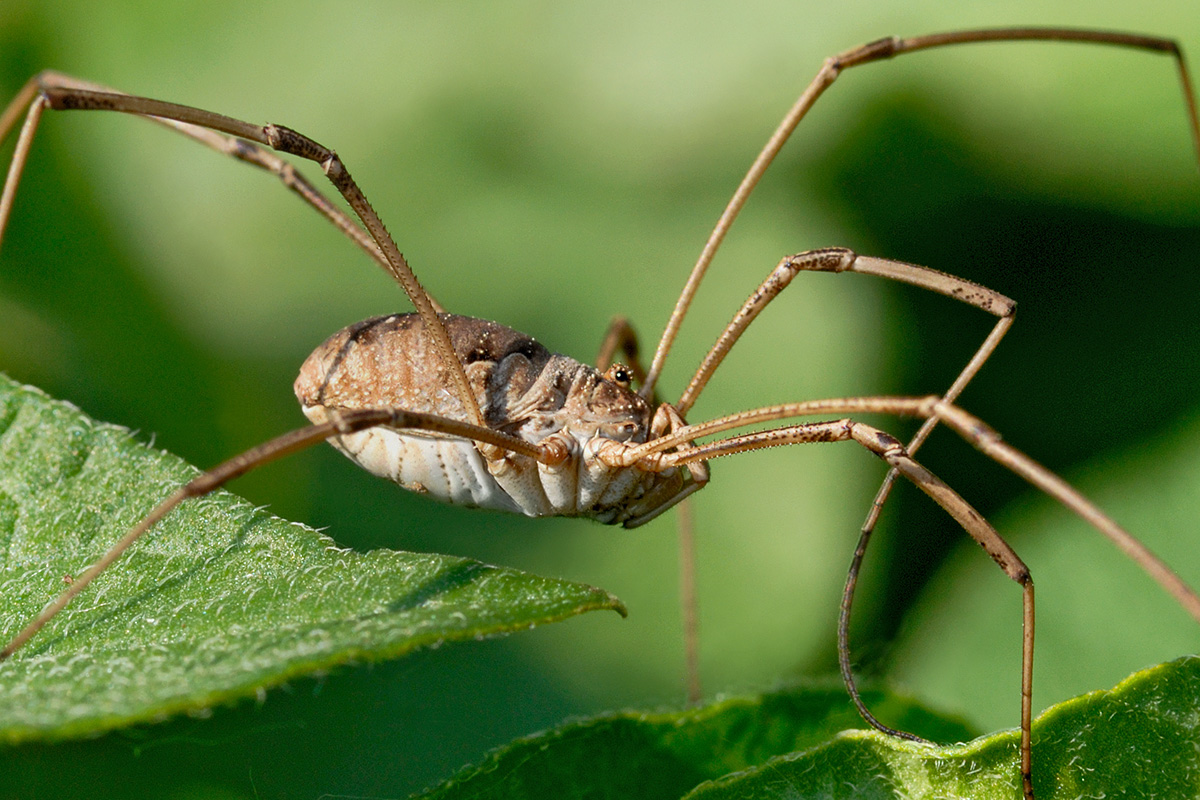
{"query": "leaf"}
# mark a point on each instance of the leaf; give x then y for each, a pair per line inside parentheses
(1139, 739)
(665, 754)
(217, 602)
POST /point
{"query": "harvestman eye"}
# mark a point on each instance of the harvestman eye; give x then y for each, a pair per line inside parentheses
(542, 434)
(620, 375)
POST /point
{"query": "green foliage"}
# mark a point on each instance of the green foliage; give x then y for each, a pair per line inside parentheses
(217, 602)
(1140, 739)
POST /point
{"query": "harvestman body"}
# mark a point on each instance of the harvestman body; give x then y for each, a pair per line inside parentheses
(477, 414)
(568, 409)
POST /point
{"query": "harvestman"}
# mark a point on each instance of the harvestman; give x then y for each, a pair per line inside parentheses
(477, 414)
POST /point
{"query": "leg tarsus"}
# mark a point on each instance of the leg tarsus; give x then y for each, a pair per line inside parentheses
(688, 602)
(843, 644)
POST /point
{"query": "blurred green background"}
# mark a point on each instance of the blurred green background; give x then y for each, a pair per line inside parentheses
(550, 166)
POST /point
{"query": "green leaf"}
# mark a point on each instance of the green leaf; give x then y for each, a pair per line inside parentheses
(1139, 739)
(218, 602)
(665, 754)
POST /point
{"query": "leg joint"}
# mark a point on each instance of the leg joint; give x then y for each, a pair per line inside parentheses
(879, 442)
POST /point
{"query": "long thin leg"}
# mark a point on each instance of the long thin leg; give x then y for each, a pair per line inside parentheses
(689, 602)
(233, 147)
(655, 455)
(844, 260)
(16, 167)
(666, 421)
(863, 54)
(841, 259)
(341, 423)
(69, 96)
(874, 51)
(838, 259)
(893, 452)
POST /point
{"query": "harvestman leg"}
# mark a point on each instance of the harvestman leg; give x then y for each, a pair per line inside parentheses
(876, 51)
(900, 460)
(59, 92)
(655, 455)
(231, 146)
(880, 50)
(840, 259)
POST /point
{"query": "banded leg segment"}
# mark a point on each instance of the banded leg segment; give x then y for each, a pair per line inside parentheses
(841, 259)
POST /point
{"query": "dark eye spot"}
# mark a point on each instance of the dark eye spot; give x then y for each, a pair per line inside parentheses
(620, 375)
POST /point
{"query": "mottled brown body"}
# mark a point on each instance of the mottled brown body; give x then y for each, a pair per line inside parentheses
(522, 389)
